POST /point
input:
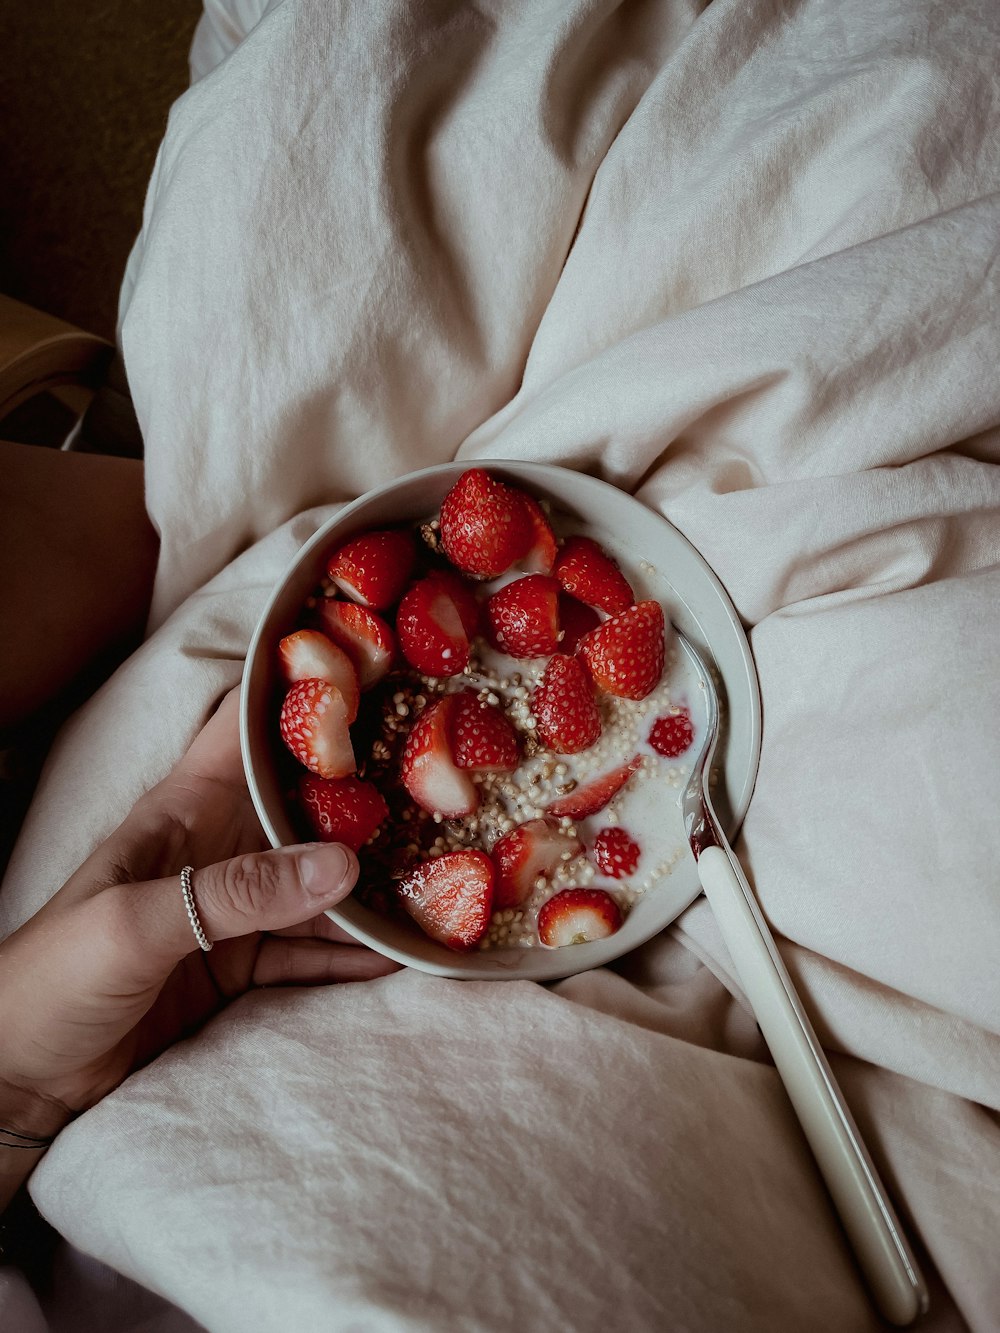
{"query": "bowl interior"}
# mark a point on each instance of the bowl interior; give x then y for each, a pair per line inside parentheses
(658, 561)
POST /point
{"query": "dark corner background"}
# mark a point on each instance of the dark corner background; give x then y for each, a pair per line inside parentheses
(85, 87)
(84, 95)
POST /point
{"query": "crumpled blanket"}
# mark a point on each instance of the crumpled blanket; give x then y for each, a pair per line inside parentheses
(741, 260)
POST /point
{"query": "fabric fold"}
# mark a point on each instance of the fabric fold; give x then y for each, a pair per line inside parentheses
(740, 261)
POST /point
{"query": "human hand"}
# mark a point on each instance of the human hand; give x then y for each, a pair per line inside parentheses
(109, 973)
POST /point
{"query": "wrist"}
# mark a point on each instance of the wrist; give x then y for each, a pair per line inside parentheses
(26, 1113)
(29, 1121)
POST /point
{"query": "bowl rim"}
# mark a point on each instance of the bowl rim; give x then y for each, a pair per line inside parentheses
(538, 964)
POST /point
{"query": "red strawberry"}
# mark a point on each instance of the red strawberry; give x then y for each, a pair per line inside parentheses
(575, 620)
(375, 568)
(577, 916)
(524, 617)
(616, 852)
(315, 726)
(527, 853)
(595, 795)
(309, 655)
(485, 525)
(541, 554)
(450, 897)
(365, 637)
(564, 707)
(625, 654)
(587, 572)
(343, 810)
(463, 595)
(481, 737)
(672, 735)
(428, 767)
(431, 633)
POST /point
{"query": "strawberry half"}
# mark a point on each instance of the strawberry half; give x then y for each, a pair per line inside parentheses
(587, 572)
(672, 735)
(577, 916)
(431, 631)
(309, 655)
(615, 852)
(564, 706)
(595, 795)
(450, 897)
(428, 767)
(541, 554)
(529, 852)
(481, 737)
(375, 568)
(485, 525)
(625, 654)
(315, 725)
(575, 620)
(364, 636)
(463, 595)
(345, 810)
(523, 617)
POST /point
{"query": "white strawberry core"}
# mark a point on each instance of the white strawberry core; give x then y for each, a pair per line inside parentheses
(436, 784)
(444, 613)
(308, 655)
(546, 850)
(580, 926)
(430, 773)
(349, 590)
(371, 659)
(330, 736)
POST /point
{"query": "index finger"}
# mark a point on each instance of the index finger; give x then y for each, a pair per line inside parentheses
(215, 754)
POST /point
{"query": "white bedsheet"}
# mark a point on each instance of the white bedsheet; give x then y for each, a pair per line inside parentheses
(741, 261)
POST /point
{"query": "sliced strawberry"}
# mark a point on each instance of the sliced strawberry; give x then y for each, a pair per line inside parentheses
(531, 851)
(564, 706)
(345, 810)
(485, 525)
(541, 554)
(451, 897)
(523, 617)
(615, 852)
(587, 572)
(463, 595)
(595, 795)
(315, 725)
(364, 636)
(577, 916)
(428, 767)
(375, 568)
(625, 654)
(309, 655)
(431, 632)
(481, 737)
(672, 735)
(575, 620)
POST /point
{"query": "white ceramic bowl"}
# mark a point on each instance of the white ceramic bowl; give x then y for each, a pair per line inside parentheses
(658, 561)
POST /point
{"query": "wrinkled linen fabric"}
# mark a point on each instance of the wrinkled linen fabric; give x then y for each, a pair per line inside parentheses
(739, 260)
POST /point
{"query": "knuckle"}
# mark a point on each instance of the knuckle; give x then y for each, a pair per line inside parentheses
(250, 885)
(120, 934)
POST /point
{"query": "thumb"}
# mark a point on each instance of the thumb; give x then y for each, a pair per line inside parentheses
(253, 892)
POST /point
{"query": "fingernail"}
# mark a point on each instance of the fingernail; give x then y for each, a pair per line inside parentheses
(323, 868)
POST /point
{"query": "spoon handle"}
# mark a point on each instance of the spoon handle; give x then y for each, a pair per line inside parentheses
(867, 1215)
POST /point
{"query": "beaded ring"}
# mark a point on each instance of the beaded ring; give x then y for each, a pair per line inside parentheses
(203, 941)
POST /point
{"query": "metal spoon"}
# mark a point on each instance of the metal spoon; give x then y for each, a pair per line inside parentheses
(871, 1224)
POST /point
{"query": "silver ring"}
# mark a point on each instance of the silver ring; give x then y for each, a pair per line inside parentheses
(203, 941)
